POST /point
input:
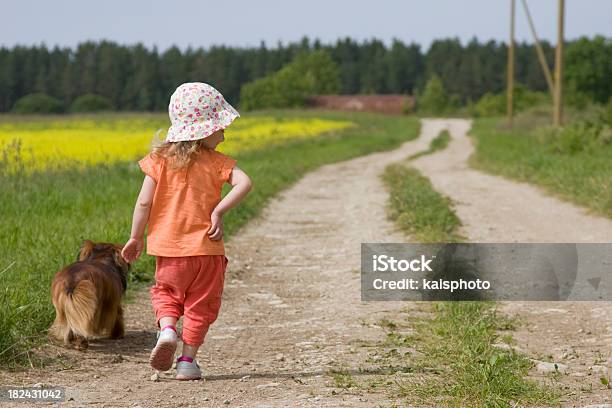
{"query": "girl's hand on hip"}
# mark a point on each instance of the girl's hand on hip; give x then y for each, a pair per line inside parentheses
(215, 232)
(132, 249)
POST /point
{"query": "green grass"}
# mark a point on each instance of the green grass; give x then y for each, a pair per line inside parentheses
(459, 366)
(583, 177)
(46, 216)
(417, 208)
(462, 365)
(438, 143)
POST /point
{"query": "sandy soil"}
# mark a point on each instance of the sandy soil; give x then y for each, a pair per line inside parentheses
(494, 209)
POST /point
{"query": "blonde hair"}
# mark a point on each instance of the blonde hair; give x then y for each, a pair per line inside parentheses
(180, 155)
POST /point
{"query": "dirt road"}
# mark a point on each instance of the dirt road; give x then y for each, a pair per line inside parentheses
(494, 209)
(291, 308)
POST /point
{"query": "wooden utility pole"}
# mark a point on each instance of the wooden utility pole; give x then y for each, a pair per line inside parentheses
(540, 51)
(558, 96)
(510, 90)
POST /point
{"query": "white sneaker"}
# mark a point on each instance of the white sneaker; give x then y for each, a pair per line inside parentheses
(162, 355)
(187, 370)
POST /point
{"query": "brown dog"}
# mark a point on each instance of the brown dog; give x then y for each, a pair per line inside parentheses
(87, 295)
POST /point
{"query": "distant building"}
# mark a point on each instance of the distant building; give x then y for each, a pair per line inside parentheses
(392, 104)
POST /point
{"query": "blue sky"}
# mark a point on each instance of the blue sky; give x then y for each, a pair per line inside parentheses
(246, 23)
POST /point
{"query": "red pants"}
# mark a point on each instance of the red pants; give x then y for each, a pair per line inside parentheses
(189, 286)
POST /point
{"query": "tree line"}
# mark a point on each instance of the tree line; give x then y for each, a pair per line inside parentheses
(135, 78)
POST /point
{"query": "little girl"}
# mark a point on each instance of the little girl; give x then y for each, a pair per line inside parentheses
(180, 200)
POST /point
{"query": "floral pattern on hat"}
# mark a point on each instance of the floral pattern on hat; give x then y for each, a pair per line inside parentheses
(197, 110)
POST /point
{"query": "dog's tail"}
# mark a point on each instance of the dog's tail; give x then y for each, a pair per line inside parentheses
(81, 304)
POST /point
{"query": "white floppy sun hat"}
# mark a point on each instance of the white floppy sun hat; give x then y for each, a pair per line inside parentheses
(197, 110)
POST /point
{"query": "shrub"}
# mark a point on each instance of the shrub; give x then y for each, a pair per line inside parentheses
(37, 103)
(91, 103)
(307, 75)
(495, 104)
(525, 98)
(434, 98)
(490, 105)
(587, 135)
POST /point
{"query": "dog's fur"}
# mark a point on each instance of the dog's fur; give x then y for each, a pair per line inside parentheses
(87, 295)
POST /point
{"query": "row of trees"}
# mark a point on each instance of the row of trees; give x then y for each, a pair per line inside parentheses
(137, 78)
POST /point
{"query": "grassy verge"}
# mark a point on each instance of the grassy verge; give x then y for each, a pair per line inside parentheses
(583, 176)
(448, 355)
(438, 143)
(45, 216)
(415, 206)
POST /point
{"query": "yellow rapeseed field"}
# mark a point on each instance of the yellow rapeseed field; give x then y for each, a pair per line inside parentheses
(77, 142)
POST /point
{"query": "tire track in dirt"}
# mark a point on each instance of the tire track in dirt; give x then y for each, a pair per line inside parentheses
(494, 209)
(291, 307)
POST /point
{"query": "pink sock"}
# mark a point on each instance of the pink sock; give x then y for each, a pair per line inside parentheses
(185, 358)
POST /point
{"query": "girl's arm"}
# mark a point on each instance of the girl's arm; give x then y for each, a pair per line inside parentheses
(133, 248)
(241, 184)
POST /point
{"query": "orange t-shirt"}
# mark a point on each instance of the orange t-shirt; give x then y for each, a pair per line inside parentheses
(183, 202)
